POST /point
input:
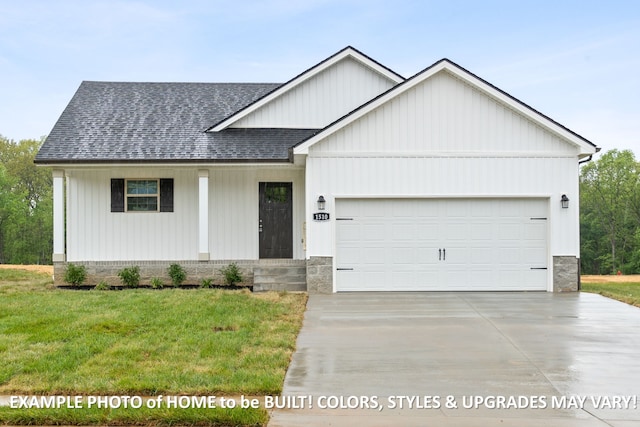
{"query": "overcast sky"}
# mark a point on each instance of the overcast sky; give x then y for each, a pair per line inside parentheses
(575, 61)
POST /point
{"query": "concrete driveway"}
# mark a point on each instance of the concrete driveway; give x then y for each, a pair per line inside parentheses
(464, 359)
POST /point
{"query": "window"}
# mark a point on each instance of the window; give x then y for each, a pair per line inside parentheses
(142, 195)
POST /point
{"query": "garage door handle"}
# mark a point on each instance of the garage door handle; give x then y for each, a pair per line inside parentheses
(439, 254)
(344, 269)
(444, 254)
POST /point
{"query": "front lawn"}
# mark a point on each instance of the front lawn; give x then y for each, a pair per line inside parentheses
(626, 292)
(142, 342)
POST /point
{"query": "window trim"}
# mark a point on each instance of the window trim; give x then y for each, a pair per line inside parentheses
(127, 195)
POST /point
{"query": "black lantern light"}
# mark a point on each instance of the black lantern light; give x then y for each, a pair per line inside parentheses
(564, 201)
(321, 203)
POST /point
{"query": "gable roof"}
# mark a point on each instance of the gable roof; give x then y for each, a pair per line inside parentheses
(116, 122)
(586, 146)
(162, 122)
(348, 52)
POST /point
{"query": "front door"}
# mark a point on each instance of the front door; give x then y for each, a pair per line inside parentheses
(276, 220)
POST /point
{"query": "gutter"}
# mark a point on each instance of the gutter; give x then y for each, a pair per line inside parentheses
(588, 159)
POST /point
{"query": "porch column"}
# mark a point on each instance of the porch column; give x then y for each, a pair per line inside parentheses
(203, 215)
(58, 216)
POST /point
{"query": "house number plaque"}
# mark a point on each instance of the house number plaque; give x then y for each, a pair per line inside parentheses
(321, 216)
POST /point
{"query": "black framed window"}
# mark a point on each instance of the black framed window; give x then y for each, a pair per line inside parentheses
(142, 195)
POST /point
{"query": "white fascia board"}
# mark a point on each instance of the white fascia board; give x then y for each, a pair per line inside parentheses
(445, 65)
(348, 52)
(171, 165)
(448, 155)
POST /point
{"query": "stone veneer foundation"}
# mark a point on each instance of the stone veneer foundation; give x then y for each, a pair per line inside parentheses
(107, 271)
(566, 274)
(319, 272)
(320, 275)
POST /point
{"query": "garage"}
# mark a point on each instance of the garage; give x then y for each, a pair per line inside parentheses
(449, 244)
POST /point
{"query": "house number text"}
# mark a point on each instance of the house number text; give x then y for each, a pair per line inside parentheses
(321, 216)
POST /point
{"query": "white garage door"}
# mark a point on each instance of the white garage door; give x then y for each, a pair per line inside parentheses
(441, 244)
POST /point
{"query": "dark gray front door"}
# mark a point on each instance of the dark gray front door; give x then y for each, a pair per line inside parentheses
(276, 220)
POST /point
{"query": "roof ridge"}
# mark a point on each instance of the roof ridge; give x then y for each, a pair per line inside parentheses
(400, 87)
(180, 83)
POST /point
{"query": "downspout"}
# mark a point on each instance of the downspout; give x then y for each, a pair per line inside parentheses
(588, 159)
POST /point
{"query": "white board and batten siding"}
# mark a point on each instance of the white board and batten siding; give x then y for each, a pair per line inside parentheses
(321, 99)
(445, 139)
(94, 233)
(233, 209)
(444, 116)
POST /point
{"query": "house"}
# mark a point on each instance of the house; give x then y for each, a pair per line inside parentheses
(348, 177)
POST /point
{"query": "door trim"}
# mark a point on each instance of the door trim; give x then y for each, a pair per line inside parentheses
(281, 224)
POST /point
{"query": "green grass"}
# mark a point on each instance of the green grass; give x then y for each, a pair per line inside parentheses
(625, 292)
(142, 342)
(139, 417)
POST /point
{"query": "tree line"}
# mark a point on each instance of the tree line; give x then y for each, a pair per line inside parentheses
(609, 209)
(26, 204)
(610, 214)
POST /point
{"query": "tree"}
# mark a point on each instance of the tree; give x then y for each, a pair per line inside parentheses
(26, 225)
(608, 189)
(10, 204)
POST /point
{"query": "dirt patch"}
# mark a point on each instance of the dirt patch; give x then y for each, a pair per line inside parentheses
(629, 278)
(45, 269)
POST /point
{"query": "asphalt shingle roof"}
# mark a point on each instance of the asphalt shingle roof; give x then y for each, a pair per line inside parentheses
(160, 122)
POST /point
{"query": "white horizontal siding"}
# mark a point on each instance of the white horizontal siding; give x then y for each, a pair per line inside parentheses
(94, 233)
(320, 100)
(443, 115)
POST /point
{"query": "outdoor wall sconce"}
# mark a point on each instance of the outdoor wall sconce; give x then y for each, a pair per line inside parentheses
(321, 203)
(564, 201)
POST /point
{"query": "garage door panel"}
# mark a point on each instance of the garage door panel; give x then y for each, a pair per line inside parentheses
(481, 231)
(399, 244)
(349, 256)
(403, 231)
(482, 256)
(508, 256)
(536, 256)
(457, 231)
(509, 230)
(401, 256)
(350, 232)
(483, 278)
(372, 232)
(535, 231)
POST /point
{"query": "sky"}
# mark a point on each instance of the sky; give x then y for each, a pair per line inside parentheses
(577, 62)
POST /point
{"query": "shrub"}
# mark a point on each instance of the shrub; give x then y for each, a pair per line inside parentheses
(177, 274)
(206, 283)
(130, 276)
(75, 274)
(231, 274)
(102, 286)
(156, 283)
